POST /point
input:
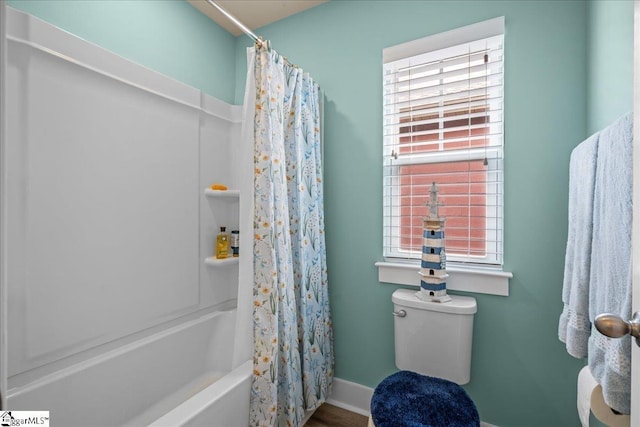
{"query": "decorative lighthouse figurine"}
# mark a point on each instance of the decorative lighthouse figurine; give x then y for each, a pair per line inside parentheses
(433, 271)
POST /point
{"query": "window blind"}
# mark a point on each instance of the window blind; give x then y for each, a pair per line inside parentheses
(443, 123)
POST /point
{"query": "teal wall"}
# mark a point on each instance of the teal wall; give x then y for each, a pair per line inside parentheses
(521, 374)
(610, 66)
(171, 37)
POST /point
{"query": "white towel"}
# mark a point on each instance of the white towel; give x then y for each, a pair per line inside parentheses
(610, 285)
(574, 326)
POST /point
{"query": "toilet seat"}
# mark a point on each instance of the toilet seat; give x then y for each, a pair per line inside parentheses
(407, 398)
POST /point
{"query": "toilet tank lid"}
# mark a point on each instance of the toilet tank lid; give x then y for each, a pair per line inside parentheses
(458, 304)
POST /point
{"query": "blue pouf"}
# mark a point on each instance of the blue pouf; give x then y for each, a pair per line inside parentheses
(408, 399)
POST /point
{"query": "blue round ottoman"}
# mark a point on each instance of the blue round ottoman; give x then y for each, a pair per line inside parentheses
(408, 399)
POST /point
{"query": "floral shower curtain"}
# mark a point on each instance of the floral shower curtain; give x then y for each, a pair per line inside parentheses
(293, 339)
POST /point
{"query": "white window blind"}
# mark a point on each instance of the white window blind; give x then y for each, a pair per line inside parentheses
(443, 123)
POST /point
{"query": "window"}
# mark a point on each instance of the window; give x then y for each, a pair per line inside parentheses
(443, 98)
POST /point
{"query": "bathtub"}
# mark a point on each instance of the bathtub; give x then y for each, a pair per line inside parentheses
(180, 376)
(224, 403)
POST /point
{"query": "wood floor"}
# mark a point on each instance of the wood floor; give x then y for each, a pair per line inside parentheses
(332, 416)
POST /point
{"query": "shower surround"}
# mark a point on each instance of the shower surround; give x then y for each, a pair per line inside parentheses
(113, 316)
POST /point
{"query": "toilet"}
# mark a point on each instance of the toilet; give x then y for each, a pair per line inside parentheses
(433, 351)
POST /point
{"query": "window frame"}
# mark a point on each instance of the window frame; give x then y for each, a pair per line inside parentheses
(393, 159)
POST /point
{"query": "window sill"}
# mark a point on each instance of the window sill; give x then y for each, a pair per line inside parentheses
(467, 279)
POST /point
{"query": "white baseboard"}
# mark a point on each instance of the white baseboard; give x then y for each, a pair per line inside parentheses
(357, 398)
(351, 396)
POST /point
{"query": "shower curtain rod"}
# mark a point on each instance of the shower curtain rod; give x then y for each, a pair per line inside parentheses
(235, 20)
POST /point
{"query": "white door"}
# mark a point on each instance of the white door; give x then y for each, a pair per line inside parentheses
(3, 296)
(635, 350)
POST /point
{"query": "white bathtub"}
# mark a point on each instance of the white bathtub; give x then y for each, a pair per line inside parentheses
(224, 403)
(178, 377)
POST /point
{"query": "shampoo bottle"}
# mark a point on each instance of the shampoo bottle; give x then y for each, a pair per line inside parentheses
(234, 243)
(222, 244)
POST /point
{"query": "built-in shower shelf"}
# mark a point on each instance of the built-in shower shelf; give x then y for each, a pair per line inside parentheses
(231, 196)
(222, 194)
(215, 262)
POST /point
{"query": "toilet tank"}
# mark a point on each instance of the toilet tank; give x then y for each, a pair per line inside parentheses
(434, 338)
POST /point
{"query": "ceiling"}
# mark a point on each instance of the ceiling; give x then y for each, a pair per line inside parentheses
(253, 13)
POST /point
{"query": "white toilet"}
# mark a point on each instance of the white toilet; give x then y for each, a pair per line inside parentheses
(433, 353)
(433, 338)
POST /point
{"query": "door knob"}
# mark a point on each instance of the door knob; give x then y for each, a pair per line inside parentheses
(615, 327)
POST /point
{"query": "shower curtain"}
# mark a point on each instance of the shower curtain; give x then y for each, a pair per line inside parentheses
(292, 332)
